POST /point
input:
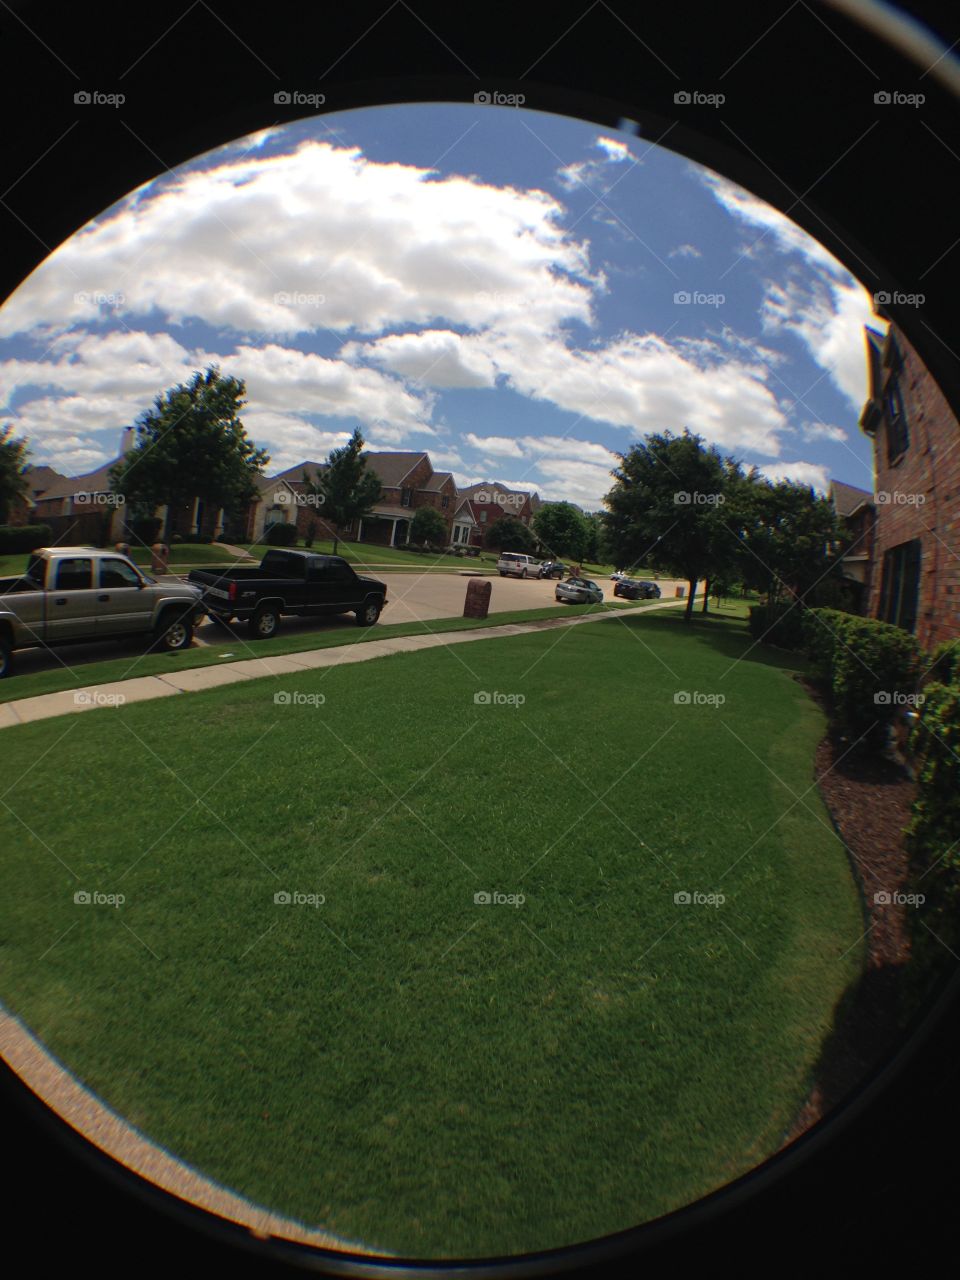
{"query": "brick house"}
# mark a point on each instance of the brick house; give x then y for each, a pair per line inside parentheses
(408, 481)
(855, 509)
(914, 572)
(483, 503)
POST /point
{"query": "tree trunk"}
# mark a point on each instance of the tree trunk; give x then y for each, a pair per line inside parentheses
(706, 595)
(692, 584)
(336, 538)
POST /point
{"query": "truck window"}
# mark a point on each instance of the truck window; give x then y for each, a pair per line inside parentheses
(282, 565)
(117, 573)
(36, 570)
(74, 575)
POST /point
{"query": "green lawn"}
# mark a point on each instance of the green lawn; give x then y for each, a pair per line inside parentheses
(335, 631)
(400, 1064)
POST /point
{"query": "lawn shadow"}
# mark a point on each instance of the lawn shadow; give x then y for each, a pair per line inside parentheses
(867, 1029)
(725, 631)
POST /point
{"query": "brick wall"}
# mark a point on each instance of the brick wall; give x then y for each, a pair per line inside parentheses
(919, 497)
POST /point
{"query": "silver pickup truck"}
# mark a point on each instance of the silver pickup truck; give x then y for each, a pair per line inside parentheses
(67, 594)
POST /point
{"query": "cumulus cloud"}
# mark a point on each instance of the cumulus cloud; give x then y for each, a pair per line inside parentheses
(826, 309)
(317, 238)
(685, 251)
(824, 431)
(593, 173)
(810, 473)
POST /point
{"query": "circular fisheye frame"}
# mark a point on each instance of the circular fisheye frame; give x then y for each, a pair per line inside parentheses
(479, 643)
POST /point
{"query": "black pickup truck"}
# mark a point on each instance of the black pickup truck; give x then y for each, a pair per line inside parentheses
(296, 582)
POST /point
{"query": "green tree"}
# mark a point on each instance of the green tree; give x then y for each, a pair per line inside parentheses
(192, 444)
(428, 526)
(13, 465)
(346, 489)
(663, 509)
(562, 530)
(507, 533)
(787, 539)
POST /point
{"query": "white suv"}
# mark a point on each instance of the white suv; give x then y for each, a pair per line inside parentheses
(517, 565)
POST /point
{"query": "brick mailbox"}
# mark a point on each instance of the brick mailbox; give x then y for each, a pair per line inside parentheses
(477, 602)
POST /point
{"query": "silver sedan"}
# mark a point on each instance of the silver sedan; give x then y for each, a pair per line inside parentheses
(579, 591)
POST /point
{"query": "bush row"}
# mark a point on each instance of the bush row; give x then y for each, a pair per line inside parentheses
(933, 837)
(870, 668)
(17, 538)
(779, 624)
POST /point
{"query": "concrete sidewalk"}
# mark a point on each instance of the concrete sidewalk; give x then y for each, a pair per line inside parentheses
(195, 679)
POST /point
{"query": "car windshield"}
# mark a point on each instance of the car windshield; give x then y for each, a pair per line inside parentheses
(588, 583)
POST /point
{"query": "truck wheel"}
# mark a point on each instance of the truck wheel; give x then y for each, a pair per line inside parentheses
(6, 658)
(265, 622)
(173, 632)
(368, 614)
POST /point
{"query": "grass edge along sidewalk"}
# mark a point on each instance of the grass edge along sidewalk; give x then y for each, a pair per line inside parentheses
(152, 681)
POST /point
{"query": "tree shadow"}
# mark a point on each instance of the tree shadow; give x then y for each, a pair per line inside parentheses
(724, 631)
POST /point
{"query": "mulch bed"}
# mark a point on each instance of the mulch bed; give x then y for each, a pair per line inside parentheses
(870, 799)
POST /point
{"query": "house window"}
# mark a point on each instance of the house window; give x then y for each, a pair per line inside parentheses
(444, 502)
(483, 517)
(406, 496)
(900, 585)
(898, 438)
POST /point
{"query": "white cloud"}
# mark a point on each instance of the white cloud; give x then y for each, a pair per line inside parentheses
(592, 173)
(824, 431)
(800, 472)
(685, 251)
(496, 446)
(828, 314)
(318, 238)
(436, 358)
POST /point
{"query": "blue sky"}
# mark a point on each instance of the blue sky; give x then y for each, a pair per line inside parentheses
(521, 295)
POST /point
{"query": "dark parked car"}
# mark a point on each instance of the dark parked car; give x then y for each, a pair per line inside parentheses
(636, 589)
(296, 582)
(552, 569)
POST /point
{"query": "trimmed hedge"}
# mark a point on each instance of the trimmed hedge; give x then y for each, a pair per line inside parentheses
(933, 837)
(869, 666)
(779, 624)
(281, 535)
(17, 538)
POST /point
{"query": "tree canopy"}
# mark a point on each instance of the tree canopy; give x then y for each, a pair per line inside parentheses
(13, 464)
(346, 489)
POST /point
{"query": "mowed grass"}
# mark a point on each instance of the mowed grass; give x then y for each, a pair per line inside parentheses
(401, 1065)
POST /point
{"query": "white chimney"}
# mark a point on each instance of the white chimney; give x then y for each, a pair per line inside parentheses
(127, 440)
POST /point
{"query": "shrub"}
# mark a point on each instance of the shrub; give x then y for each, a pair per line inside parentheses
(933, 837)
(281, 535)
(779, 624)
(17, 538)
(311, 534)
(944, 665)
(870, 666)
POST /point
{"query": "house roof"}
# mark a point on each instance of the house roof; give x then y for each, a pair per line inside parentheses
(91, 482)
(846, 498)
(41, 478)
(437, 481)
(294, 475)
(392, 511)
(393, 468)
(492, 487)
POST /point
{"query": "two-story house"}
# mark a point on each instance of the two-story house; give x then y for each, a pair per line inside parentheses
(914, 577)
(480, 504)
